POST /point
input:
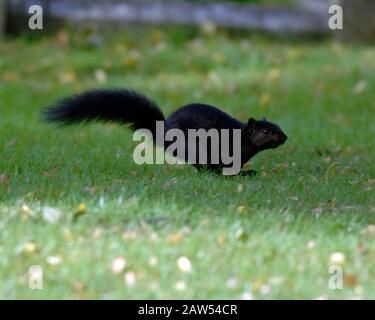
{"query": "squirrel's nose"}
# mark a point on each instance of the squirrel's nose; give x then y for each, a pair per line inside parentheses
(284, 138)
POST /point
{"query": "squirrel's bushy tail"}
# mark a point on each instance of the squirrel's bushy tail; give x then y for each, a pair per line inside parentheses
(113, 105)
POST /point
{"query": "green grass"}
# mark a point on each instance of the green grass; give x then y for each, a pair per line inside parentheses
(313, 197)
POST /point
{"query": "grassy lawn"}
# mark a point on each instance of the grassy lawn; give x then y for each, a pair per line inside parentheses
(270, 236)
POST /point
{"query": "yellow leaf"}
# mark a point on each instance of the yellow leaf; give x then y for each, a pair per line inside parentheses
(265, 99)
(174, 238)
(67, 76)
(29, 247)
(240, 209)
(132, 59)
(80, 211)
(221, 239)
(273, 75)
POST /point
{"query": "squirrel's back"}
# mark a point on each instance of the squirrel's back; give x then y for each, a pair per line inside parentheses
(201, 116)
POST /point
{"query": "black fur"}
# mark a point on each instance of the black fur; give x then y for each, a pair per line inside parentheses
(129, 107)
(115, 105)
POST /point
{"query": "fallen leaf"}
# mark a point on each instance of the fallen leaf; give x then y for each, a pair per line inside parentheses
(360, 87)
(221, 239)
(208, 27)
(51, 215)
(273, 75)
(265, 99)
(337, 258)
(62, 38)
(10, 77)
(29, 247)
(118, 265)
(54, 260)
(247, 296)
(174, 238)
(240, 209)
(130, 279)
(369, 230)
(232, 283)
(97, 233)
(27, 209)
(265, 289)
(3, 178)
(132, 59)
(153, 261)
(100, 76)
(129, 235)
(81, 210)
(184, 264)
(350, 279)
(241, 234)
(67, 76)
(180, 285)
(310, 244)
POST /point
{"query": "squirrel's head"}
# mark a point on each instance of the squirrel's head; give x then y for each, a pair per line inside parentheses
(264, 134)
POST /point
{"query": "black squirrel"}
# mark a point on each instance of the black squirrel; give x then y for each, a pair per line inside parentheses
(139, 112)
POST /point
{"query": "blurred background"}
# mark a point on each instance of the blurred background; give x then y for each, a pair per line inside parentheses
(274, 16)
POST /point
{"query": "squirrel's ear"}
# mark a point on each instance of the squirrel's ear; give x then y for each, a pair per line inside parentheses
(252, 123)
(264, 119)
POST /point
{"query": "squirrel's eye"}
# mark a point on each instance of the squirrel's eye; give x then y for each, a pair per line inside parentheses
(266, 131)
